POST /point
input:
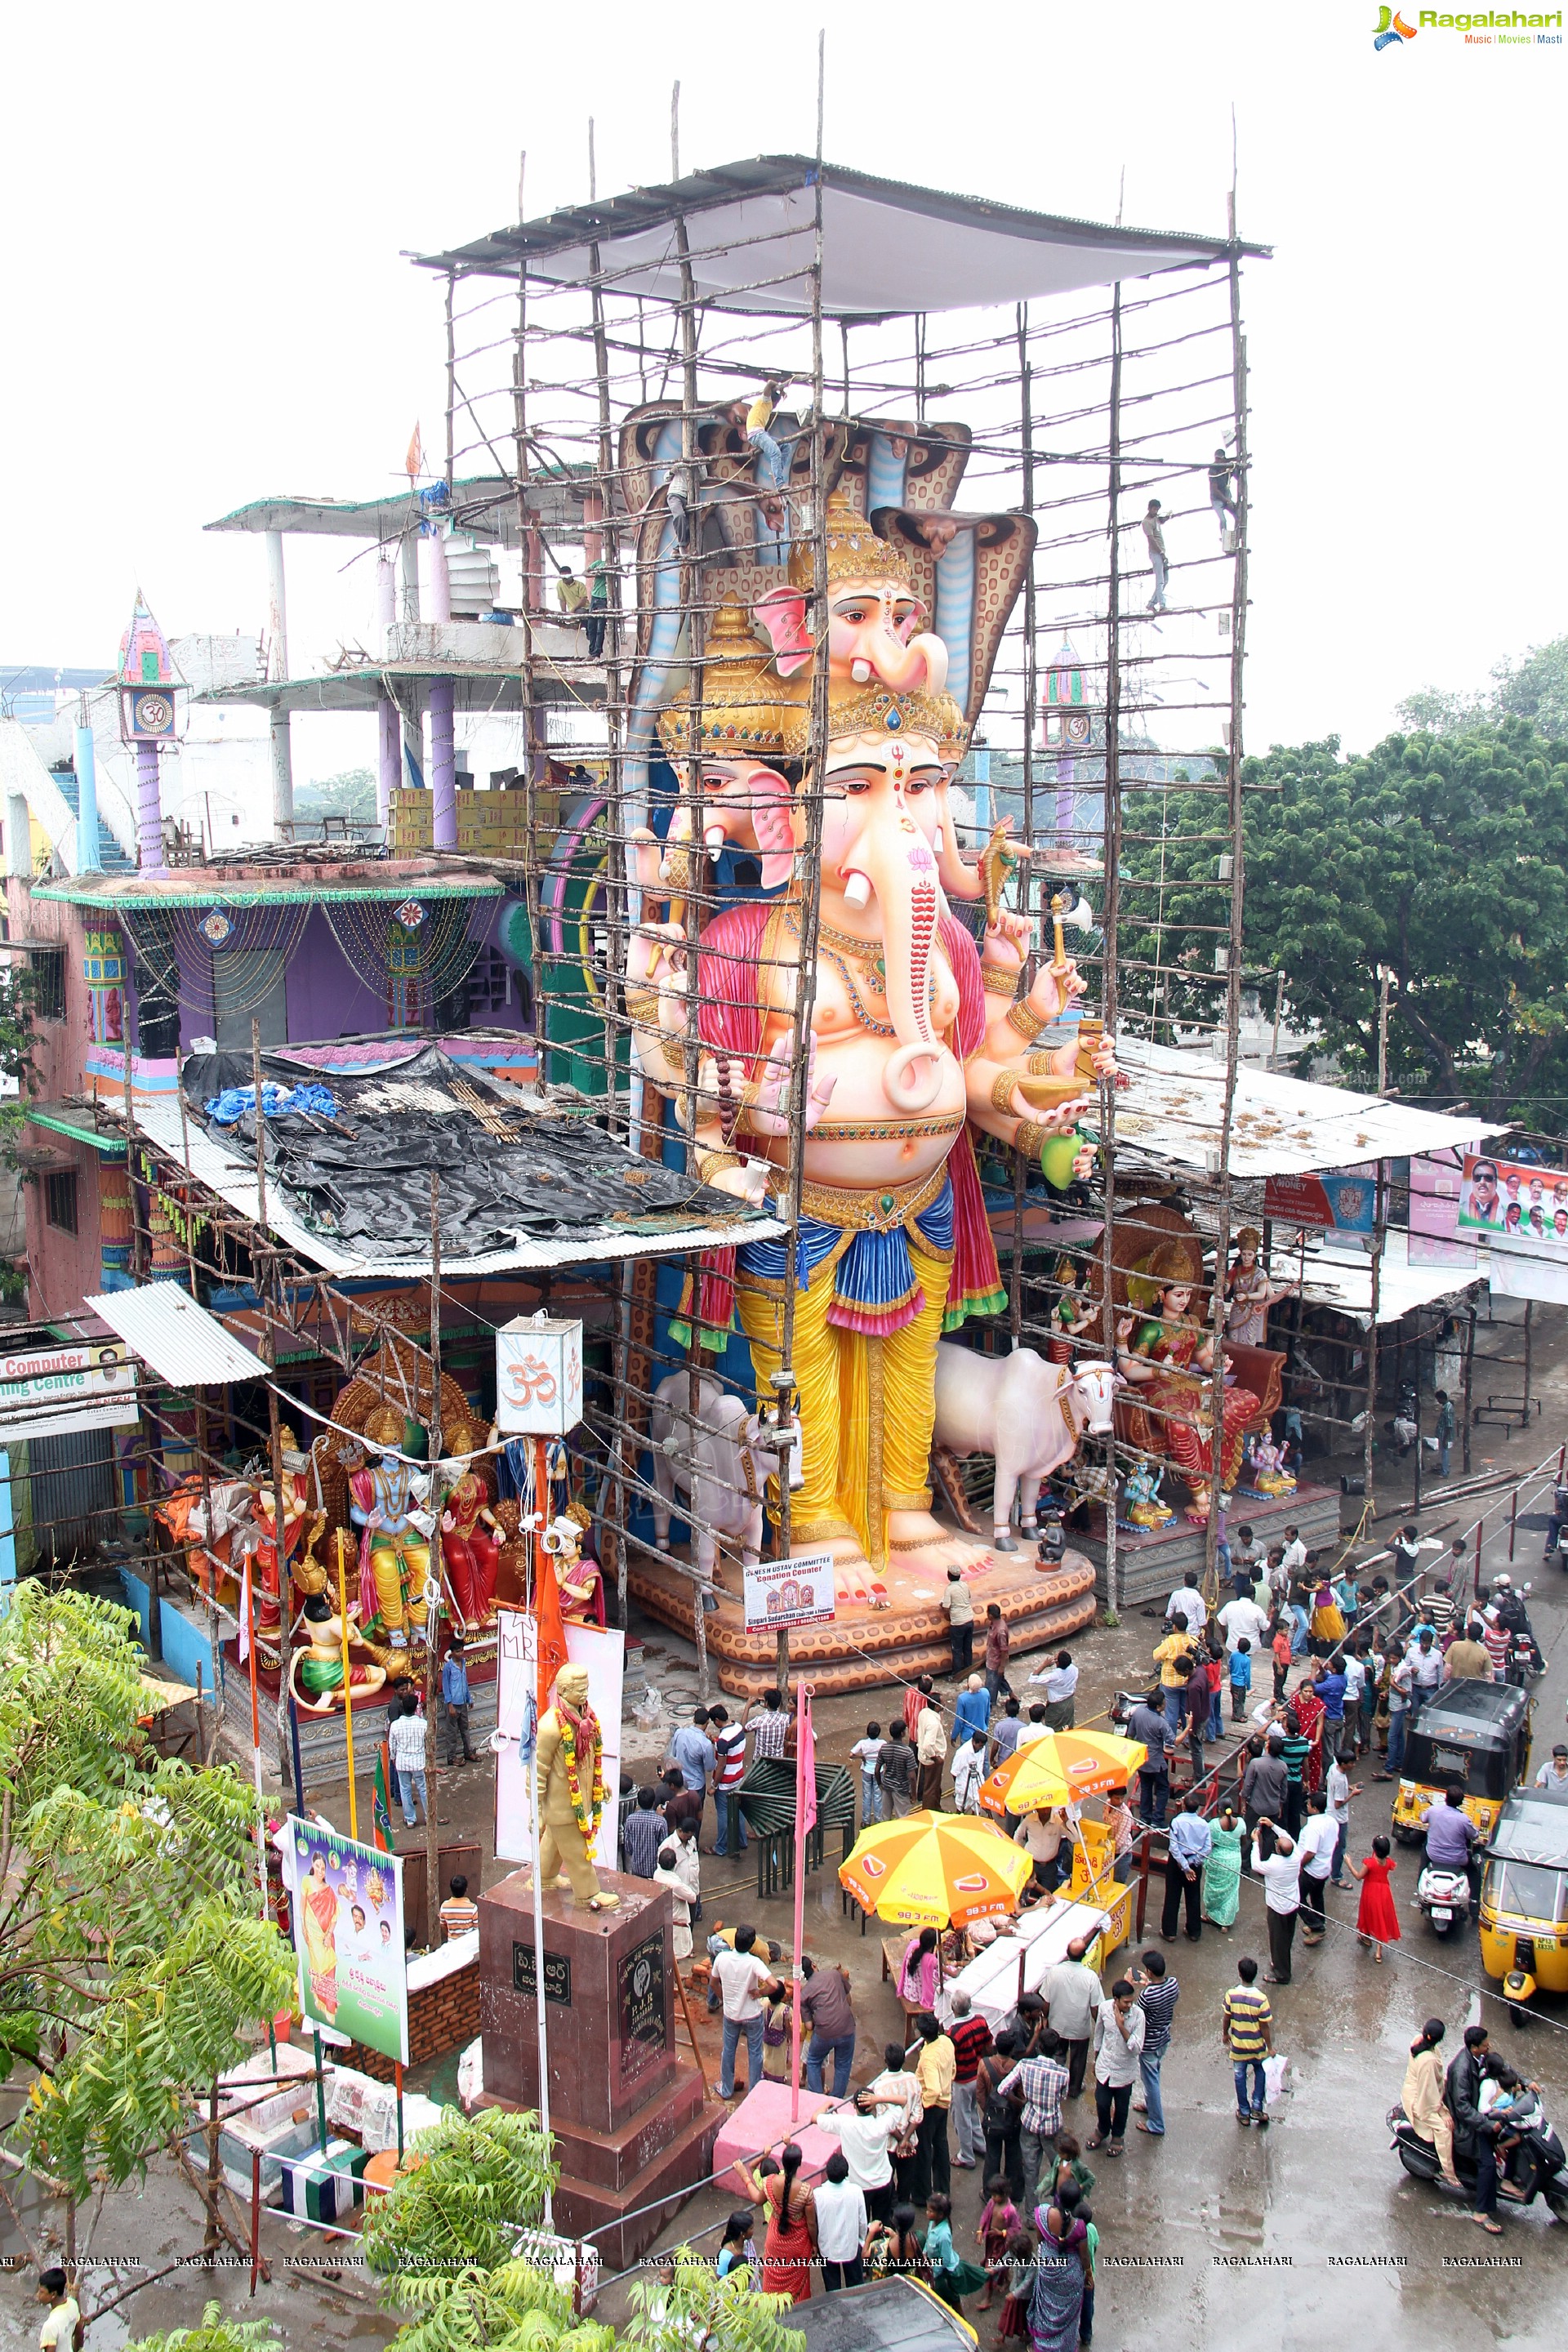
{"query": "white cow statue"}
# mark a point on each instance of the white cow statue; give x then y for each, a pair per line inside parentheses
(719, 1468)
(1028, 1413)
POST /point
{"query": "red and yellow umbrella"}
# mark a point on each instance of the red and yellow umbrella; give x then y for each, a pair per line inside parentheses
(1060, 1768)
(935, 1869)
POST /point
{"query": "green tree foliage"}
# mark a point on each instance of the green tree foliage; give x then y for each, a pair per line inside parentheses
(1535, 689)
(1441, 858)
(133, 1957)
(349, 794)
(214, 2333)
(442, 2240)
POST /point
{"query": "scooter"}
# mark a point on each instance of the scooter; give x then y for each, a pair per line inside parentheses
(1538, 2165)
(1445, 1896)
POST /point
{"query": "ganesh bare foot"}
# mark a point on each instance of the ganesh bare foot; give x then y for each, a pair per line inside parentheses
(922, 1545)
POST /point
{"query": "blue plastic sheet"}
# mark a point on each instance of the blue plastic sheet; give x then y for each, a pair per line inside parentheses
(277, 1102)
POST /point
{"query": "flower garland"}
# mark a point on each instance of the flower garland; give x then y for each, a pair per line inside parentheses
(576, 1732)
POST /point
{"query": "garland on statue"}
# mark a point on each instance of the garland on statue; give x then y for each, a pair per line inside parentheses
(576, 1729)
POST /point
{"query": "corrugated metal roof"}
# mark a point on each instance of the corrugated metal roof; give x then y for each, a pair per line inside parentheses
(180, 1340)
(1175, 1106)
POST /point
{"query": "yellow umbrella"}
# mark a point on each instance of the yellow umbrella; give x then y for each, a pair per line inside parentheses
(1060, 1768)
(935, 1869)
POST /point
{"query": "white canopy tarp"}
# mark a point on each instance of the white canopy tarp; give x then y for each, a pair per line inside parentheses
(1339, 1275)
(1174, 1109)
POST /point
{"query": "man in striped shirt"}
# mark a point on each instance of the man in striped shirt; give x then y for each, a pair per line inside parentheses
(458, 1915)
(971, 2039)
(729, 1744)
(1158, 1993)
(1247, 2031)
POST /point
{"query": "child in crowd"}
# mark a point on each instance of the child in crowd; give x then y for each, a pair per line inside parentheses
(864, 1753)
(1070, 2165)
(739, 2251)
(1018, 2269)
(1240, 1665)
(998, 2220)
(1280, 1646)
(1086, 2314)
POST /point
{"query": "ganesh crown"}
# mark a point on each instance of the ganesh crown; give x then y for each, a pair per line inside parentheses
(876, 709)
(853, 549)
(745, 706)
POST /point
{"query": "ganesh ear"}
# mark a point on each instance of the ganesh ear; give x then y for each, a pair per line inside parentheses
(782, 613)
(771, 808)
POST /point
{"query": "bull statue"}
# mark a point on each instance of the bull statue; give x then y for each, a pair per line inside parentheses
(1028, 1413)
(717, 1461)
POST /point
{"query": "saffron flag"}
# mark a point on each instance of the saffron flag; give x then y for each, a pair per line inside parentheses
(805, 1764)
(414, 463)
(242, 1646)
(552, 1631)
(381, 1804)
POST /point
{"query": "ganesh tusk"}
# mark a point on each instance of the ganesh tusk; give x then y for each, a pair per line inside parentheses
(860, 671)
(713, 839)
(858, 891)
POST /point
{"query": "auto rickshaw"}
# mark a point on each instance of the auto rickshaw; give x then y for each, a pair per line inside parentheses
(1475, 1733)
(1524, 1898)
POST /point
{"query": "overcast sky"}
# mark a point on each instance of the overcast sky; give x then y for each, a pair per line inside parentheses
(208, 208)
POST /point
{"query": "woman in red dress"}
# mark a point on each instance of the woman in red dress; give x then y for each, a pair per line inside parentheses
(1377, 1921)
(789, 2249)
(1309, 1713)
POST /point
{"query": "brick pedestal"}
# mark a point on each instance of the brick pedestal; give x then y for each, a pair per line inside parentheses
(626, 2110)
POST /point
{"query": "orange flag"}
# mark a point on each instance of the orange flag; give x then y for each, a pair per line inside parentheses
(552, 1631)
(414, 463)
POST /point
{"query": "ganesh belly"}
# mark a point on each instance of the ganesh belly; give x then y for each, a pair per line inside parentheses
(862, 1138)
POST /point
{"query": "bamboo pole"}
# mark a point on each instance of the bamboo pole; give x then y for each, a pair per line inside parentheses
(340, 1541)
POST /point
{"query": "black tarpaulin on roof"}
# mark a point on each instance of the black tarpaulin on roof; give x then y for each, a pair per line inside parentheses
(363, 1178)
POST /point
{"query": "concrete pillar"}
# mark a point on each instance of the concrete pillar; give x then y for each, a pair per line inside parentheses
(389, 760)
(149, 811)
(408, 577)
(87, 860)
(443, 740)
(277, 670)
(18, 836)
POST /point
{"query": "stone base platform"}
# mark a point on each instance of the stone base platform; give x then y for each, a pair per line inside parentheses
(864, 1647)
(1151, 1564)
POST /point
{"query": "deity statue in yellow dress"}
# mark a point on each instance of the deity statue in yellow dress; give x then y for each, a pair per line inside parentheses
(394, 1555)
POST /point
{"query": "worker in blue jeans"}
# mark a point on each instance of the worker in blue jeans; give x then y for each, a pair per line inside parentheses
(825, 2006)
(738, 1977)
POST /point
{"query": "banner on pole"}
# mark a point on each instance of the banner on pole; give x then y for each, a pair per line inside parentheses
(780, 1592)
(601, 1651)
(1517, 1205)
(54, 1391)
(1343, 1199)
(347, 1936)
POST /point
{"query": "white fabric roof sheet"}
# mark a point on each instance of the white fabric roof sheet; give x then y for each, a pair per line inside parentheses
(1338, 1275)
(888, 249)
(1174, 1110)
(180, 1340)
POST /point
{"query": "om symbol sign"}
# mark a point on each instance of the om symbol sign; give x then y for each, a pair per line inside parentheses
(530, 1382)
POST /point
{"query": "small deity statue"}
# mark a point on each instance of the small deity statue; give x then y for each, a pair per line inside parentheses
(1071, 1316)
(1266, 1471)
(470, 1556)
(316, 1672)
(569, 1765)
(1249, 1293)
(579, 1577)
(1141, 1497)
(1165, 1359)
(394, 1557)
(268, 1588)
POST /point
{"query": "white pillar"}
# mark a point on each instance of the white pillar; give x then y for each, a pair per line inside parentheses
(443, 743)
(388, 776)
(408, 577)
(277, 671)
(18, 836)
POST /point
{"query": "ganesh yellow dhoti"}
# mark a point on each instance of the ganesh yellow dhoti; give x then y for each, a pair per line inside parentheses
(872, 1273)
(400, 1572)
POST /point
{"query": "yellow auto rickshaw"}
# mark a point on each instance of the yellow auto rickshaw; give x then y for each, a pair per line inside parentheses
(1474, 1733)
(1524, 1898)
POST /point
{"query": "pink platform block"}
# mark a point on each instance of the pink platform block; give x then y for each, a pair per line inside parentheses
(761, 2122)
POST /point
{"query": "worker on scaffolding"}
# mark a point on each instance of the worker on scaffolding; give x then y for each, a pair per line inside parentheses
(1221, 474)
(1156, 537)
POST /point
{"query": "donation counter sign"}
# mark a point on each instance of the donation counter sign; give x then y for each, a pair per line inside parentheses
(798, 1591)
(348, 1933)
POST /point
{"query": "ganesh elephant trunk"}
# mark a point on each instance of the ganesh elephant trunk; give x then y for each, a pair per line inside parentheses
(898, 862)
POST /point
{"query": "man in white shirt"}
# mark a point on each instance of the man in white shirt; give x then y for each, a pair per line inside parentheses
(1061, 1686)
(930, 1751)
(1042, 1834)
(1277, 1862)
(840, 2225)
(740, 1977)
(1244, 1619)
(1295, 1554)
(1552, 1776)
(1187, 1601)
(866, 2132)
(1320, 1836)
(968, 1772)
(1117, 2045)
(1036, 1728)
(1340, 1793)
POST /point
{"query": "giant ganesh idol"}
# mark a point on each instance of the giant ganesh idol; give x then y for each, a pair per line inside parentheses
(919, 1036)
